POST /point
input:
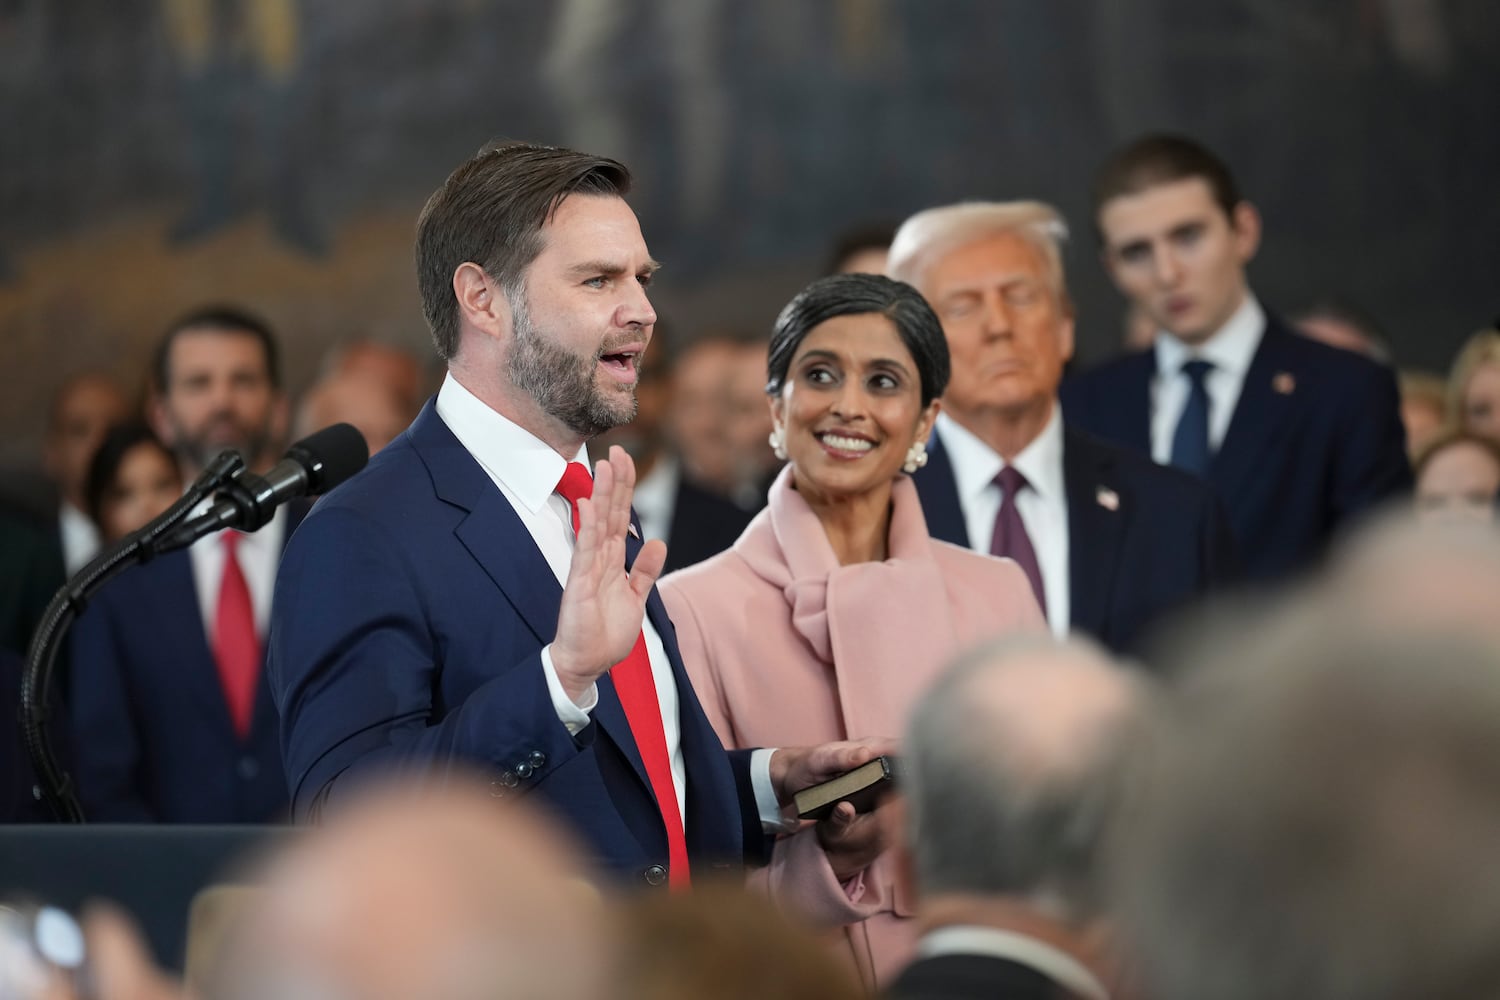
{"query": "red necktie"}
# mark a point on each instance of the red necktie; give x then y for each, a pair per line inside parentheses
(637, 690)
(236, 645)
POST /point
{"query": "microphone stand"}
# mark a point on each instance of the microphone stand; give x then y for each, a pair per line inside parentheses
(53, 785)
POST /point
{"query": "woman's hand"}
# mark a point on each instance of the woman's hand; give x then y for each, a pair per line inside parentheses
(852, 840)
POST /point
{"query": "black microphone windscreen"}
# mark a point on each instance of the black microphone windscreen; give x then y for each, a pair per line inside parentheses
(331, 455)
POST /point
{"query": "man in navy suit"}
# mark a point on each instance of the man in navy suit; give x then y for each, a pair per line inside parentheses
(1111, 542)
(1297, 438)
(460, 604)
(171, 717)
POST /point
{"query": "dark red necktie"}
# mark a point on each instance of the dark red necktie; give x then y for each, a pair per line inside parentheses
(236, 644)
(637, 690)
(1010, 538)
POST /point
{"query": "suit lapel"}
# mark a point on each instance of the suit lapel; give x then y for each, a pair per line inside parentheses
(1097, 509)
(1267, 396)
(938, 490)
(185, 640)
(497, 539)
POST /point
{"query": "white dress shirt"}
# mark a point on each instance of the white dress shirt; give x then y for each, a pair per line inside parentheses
(1054, 963)
(1230, 351)
(80, 537)
(527, 470)
(1043, 507)
(259, 553)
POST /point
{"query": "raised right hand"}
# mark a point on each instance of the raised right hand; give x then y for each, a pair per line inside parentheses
(603, 605)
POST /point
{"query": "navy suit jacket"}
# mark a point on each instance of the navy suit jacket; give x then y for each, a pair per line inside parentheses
(703, 525)
(410, 615)
(1143, 540)
(152, 736)
(1316, 439)
(973, 977)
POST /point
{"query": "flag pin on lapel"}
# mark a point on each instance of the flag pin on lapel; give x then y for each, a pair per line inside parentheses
(1107, 498)
(1284, 383)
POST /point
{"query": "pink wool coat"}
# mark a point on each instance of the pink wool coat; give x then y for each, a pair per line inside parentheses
(788, 648)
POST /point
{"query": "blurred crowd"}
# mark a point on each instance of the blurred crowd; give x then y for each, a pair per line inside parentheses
(1184, 657)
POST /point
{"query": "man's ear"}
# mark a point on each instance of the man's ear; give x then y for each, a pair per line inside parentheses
(1065, 342)
(481, 302)
(161, 424)
(1245, 221)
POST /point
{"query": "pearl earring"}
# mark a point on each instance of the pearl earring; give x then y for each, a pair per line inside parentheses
(778, 443)
(916, 457)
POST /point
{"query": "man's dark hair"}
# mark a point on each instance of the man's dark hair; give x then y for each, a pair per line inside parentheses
(490, 212)
(1161, 158)
(216, 319)
(853, 295)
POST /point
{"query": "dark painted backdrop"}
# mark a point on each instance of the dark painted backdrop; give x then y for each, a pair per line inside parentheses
(156, 153)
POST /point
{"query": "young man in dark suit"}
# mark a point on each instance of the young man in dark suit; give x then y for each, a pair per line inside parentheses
(473, 599)
(1110, 541)
(171, 717)
(1296, 438)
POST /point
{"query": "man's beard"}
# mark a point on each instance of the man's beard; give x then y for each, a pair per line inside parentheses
(563, 384)
(197, 450)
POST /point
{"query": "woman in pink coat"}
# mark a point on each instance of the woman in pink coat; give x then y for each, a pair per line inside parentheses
(835, 609)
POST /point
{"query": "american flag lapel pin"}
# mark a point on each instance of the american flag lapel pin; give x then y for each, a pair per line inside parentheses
(1284, 383)
(1107, 498)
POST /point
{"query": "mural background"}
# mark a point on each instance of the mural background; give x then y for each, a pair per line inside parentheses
(274, 153)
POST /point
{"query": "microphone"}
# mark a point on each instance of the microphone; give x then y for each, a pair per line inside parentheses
(316, 464)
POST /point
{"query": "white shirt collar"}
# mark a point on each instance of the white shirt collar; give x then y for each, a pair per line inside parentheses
(1230, 349)
(1054, 963)
(80, 537)
(528, 467)
(976, 464)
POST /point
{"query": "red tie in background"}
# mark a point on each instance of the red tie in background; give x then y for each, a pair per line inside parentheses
(637, 690)
(236, 645)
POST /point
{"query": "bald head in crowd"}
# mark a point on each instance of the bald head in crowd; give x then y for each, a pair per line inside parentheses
(1009, 765)
(447, 895)
(1319, 813)
(370, 405)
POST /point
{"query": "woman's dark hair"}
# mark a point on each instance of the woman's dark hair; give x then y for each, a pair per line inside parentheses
(118, 442)
(856, 295)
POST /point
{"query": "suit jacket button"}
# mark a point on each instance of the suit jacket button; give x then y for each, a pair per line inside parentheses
(524, 769)
(509, 779)
(248, 768)
(498, 790)
(537, 758)
(655, 875)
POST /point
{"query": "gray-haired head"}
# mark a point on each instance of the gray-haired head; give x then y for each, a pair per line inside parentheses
(1011, 767)
(929, 235)
(1318, 817)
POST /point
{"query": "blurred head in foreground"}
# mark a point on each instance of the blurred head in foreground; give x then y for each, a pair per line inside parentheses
(721, 941)
(443, 894)
(1318, 813)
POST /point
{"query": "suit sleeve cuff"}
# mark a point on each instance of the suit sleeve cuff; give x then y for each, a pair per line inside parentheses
(575, 715)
